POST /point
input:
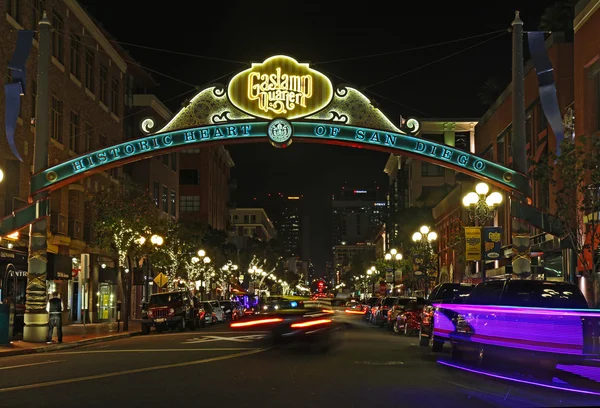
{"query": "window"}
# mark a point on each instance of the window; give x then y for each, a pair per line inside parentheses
(165, 159)
(173, 203)
(37, 8)
(188, 177)
(542, 121)
(75, 56)
(246, 219)
(103, 95)
(114, 96)
(189, 203)
(14, 10)
(74, 137)
(253, 219)
(156, 193)
(89, 70)
(174, 161)
(103, 140)
(33, 97)
(87, 141)
(500, 149)
(58, 39)
(431, 170)
(165, 199)
(57, 119)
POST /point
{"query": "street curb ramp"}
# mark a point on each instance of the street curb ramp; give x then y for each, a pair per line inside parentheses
(65, 346)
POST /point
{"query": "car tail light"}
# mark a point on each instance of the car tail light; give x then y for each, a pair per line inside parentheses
(201, 313)
(256, 322)
(310, 323)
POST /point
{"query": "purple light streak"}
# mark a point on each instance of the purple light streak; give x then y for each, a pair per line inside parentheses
(461, 308)
(502, 377)
(589, 372)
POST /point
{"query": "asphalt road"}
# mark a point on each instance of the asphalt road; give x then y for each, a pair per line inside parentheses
(216, 367)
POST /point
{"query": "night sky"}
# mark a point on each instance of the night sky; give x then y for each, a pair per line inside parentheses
(383, 46)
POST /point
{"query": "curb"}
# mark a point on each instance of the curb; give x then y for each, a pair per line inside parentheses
(64, 346)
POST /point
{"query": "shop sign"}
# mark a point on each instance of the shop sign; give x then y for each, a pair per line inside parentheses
(492, 242)
(280, 87)
(473, 243)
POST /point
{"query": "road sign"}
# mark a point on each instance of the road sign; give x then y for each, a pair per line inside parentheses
(161, 280)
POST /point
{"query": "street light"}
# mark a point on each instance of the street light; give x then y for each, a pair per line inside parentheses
(206, 260)
(424, 237)
(482, 208)
(393, 256)
(156, 241)
(1, 175)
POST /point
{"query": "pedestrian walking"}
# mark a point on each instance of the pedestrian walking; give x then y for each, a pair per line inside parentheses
(55, 308)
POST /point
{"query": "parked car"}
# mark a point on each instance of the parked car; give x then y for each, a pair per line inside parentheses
(171, 310)
(233, 309)
(218, 311)
(408, 320)
(397, 308)
(519, 321)
(442, 293)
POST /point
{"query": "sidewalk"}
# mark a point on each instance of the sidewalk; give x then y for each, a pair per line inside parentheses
(74, 335)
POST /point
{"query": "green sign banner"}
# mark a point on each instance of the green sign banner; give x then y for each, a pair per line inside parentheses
(331, 133)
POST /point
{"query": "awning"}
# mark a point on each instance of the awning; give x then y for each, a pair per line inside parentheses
(238, 290)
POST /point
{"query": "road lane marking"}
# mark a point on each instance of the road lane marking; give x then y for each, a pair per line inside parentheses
(236, 332)
(31, 364)
(155, 350)
(238, 339)
(127, 372)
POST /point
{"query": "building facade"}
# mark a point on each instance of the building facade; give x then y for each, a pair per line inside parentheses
(586, 72)
(493, 142)
(250, 223)
(204, 188)
(86, 109)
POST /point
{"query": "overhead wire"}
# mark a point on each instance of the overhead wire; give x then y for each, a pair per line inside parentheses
(436, 61)
(420, 47)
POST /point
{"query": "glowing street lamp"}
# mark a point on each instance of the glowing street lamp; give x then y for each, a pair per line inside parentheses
(393, 256)
(1, 175)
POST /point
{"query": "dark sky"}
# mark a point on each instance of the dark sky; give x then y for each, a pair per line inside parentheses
(223, 37)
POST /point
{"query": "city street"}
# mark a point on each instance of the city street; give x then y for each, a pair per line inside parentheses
(216, 367)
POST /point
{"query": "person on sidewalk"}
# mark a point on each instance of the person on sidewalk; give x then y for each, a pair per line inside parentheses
(55, 308)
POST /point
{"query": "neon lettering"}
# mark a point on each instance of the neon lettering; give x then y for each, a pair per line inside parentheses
(246, 130)
(77, 166)
(333, 132)
(143, 144)
(279, 93)
(463, 160)
(390, 140)
(232, 131)
(168, 140)
(320, 130)
(420, 147)
(374, 137)
(446, 154)
(129, 149)
(102, 157)
(479, 165)
(360, 134)
(188, 136)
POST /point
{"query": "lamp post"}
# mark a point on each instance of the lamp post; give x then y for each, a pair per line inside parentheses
(156, 241)
(1, 175)
(423, 238)
(482, 206)
(205, 260)
(372, 271)
(393, 256)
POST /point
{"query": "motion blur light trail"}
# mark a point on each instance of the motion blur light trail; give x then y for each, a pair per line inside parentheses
(507, 378)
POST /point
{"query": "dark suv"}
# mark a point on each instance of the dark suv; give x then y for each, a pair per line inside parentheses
(172, 310)
(442, 293)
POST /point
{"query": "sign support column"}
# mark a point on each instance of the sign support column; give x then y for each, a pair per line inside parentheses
(36, 317)
(521, 245)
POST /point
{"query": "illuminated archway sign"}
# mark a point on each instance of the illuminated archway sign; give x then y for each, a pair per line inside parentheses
(280, 100)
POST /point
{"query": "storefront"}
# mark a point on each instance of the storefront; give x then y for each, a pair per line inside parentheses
(13, 283)
(60, 280)
(107, 294)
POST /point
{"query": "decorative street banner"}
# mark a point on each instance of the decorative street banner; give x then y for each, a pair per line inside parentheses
(418, 264)
(492, 242)
(473, 243)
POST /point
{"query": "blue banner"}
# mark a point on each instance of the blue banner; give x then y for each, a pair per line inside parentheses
(16, 89)
(548, 98)
(492, 243)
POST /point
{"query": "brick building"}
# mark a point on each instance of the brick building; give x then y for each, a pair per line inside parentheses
(86, 108)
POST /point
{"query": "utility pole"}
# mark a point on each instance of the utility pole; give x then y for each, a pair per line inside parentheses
(521, 244)
(36, 316)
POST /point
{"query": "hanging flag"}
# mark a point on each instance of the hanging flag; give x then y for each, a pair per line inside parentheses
(16, 89)
(473, 243)
(548, 98)
(492, 242)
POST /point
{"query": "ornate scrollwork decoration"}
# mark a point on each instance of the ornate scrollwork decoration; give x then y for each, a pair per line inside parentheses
(341, 91)
(223, 117)
(147, 125)
(336, 117)
(411, 126)
(219, 90)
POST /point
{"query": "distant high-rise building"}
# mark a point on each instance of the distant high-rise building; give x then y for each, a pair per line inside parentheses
(357, 214)
(286, 212)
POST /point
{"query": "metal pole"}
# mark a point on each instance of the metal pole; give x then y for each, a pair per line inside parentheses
(36, 317)
(521, 261)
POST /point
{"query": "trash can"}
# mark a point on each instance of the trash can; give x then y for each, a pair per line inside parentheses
(7, 315)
